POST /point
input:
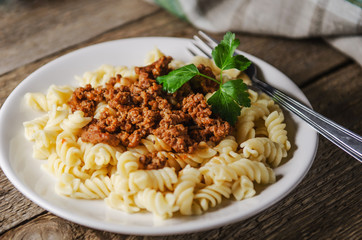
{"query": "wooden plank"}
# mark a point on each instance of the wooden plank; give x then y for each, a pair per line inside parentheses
(326, 205)
(300, 60)
(31, 30)
(14, 206)
(338, 97)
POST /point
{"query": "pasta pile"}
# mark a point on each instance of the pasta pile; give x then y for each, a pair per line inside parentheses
(189, 183)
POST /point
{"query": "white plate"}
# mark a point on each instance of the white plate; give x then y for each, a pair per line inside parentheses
(25, 173)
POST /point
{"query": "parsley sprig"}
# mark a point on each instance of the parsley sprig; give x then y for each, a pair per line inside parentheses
(231, 96)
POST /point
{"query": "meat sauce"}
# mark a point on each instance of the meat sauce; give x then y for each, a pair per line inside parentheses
(182, 119)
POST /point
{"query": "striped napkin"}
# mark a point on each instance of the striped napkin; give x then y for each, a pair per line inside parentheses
(339, 22)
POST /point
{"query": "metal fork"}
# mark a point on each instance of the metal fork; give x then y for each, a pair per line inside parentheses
(345, 139)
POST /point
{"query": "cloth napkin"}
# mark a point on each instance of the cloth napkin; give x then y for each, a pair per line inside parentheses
(339, 22)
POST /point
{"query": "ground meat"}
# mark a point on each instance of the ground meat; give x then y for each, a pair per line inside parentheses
(202, 84)
(209, 127)
(176, 98)
(182, 119)
(85, 99)
(152, 161)
(152, 71)
(93, 133)
(177, 137)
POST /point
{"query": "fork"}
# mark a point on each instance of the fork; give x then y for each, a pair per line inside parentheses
(345, 139)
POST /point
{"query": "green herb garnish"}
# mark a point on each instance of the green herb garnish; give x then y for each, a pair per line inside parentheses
(231, 96)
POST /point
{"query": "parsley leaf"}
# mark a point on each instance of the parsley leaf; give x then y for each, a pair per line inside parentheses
(175, 79)
(238, 91)
(230, 41)
(223, 54)
(239, 62)
(227, 101)
(224, 105)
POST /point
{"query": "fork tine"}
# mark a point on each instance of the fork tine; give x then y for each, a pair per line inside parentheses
(199, 44)
(192, 52)
(211, 42)
(205, 44)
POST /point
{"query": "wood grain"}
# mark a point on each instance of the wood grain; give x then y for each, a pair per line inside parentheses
(40, 28)
(14, 207)
(326, 205)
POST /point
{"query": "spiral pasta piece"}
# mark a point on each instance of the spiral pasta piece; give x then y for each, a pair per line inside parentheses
(159, 203)
(97, 156)
(245, 123)
(224, 158)
(127, 162)
(154, 144)
(37, 124)
(44, 144)
(58, 95)
(93, 188)
(124, 202)
(188, 178)
(68, 149)
(153, 56)
(160, 179)
(141, 149)
(263, 149)
(100, 76)
(202, 154)
(57, 167)
(218, 173)
(56, 117)
(37, 101)
(176, 161)
(217, 169)
(253, 96)
(255, 171)
(276, 128)
(75, 122)
(120, 184)
(210, 196)
(243, 188)
(226, 145)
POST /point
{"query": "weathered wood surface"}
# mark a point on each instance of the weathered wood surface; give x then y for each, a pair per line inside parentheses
(326, 205)
(31, 30)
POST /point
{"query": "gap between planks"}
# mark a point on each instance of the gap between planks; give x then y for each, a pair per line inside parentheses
(327, 72)
(23, 222)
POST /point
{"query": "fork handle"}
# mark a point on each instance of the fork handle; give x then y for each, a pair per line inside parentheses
(340, 136)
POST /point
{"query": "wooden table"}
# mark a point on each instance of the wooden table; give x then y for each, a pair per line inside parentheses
(325, 205)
